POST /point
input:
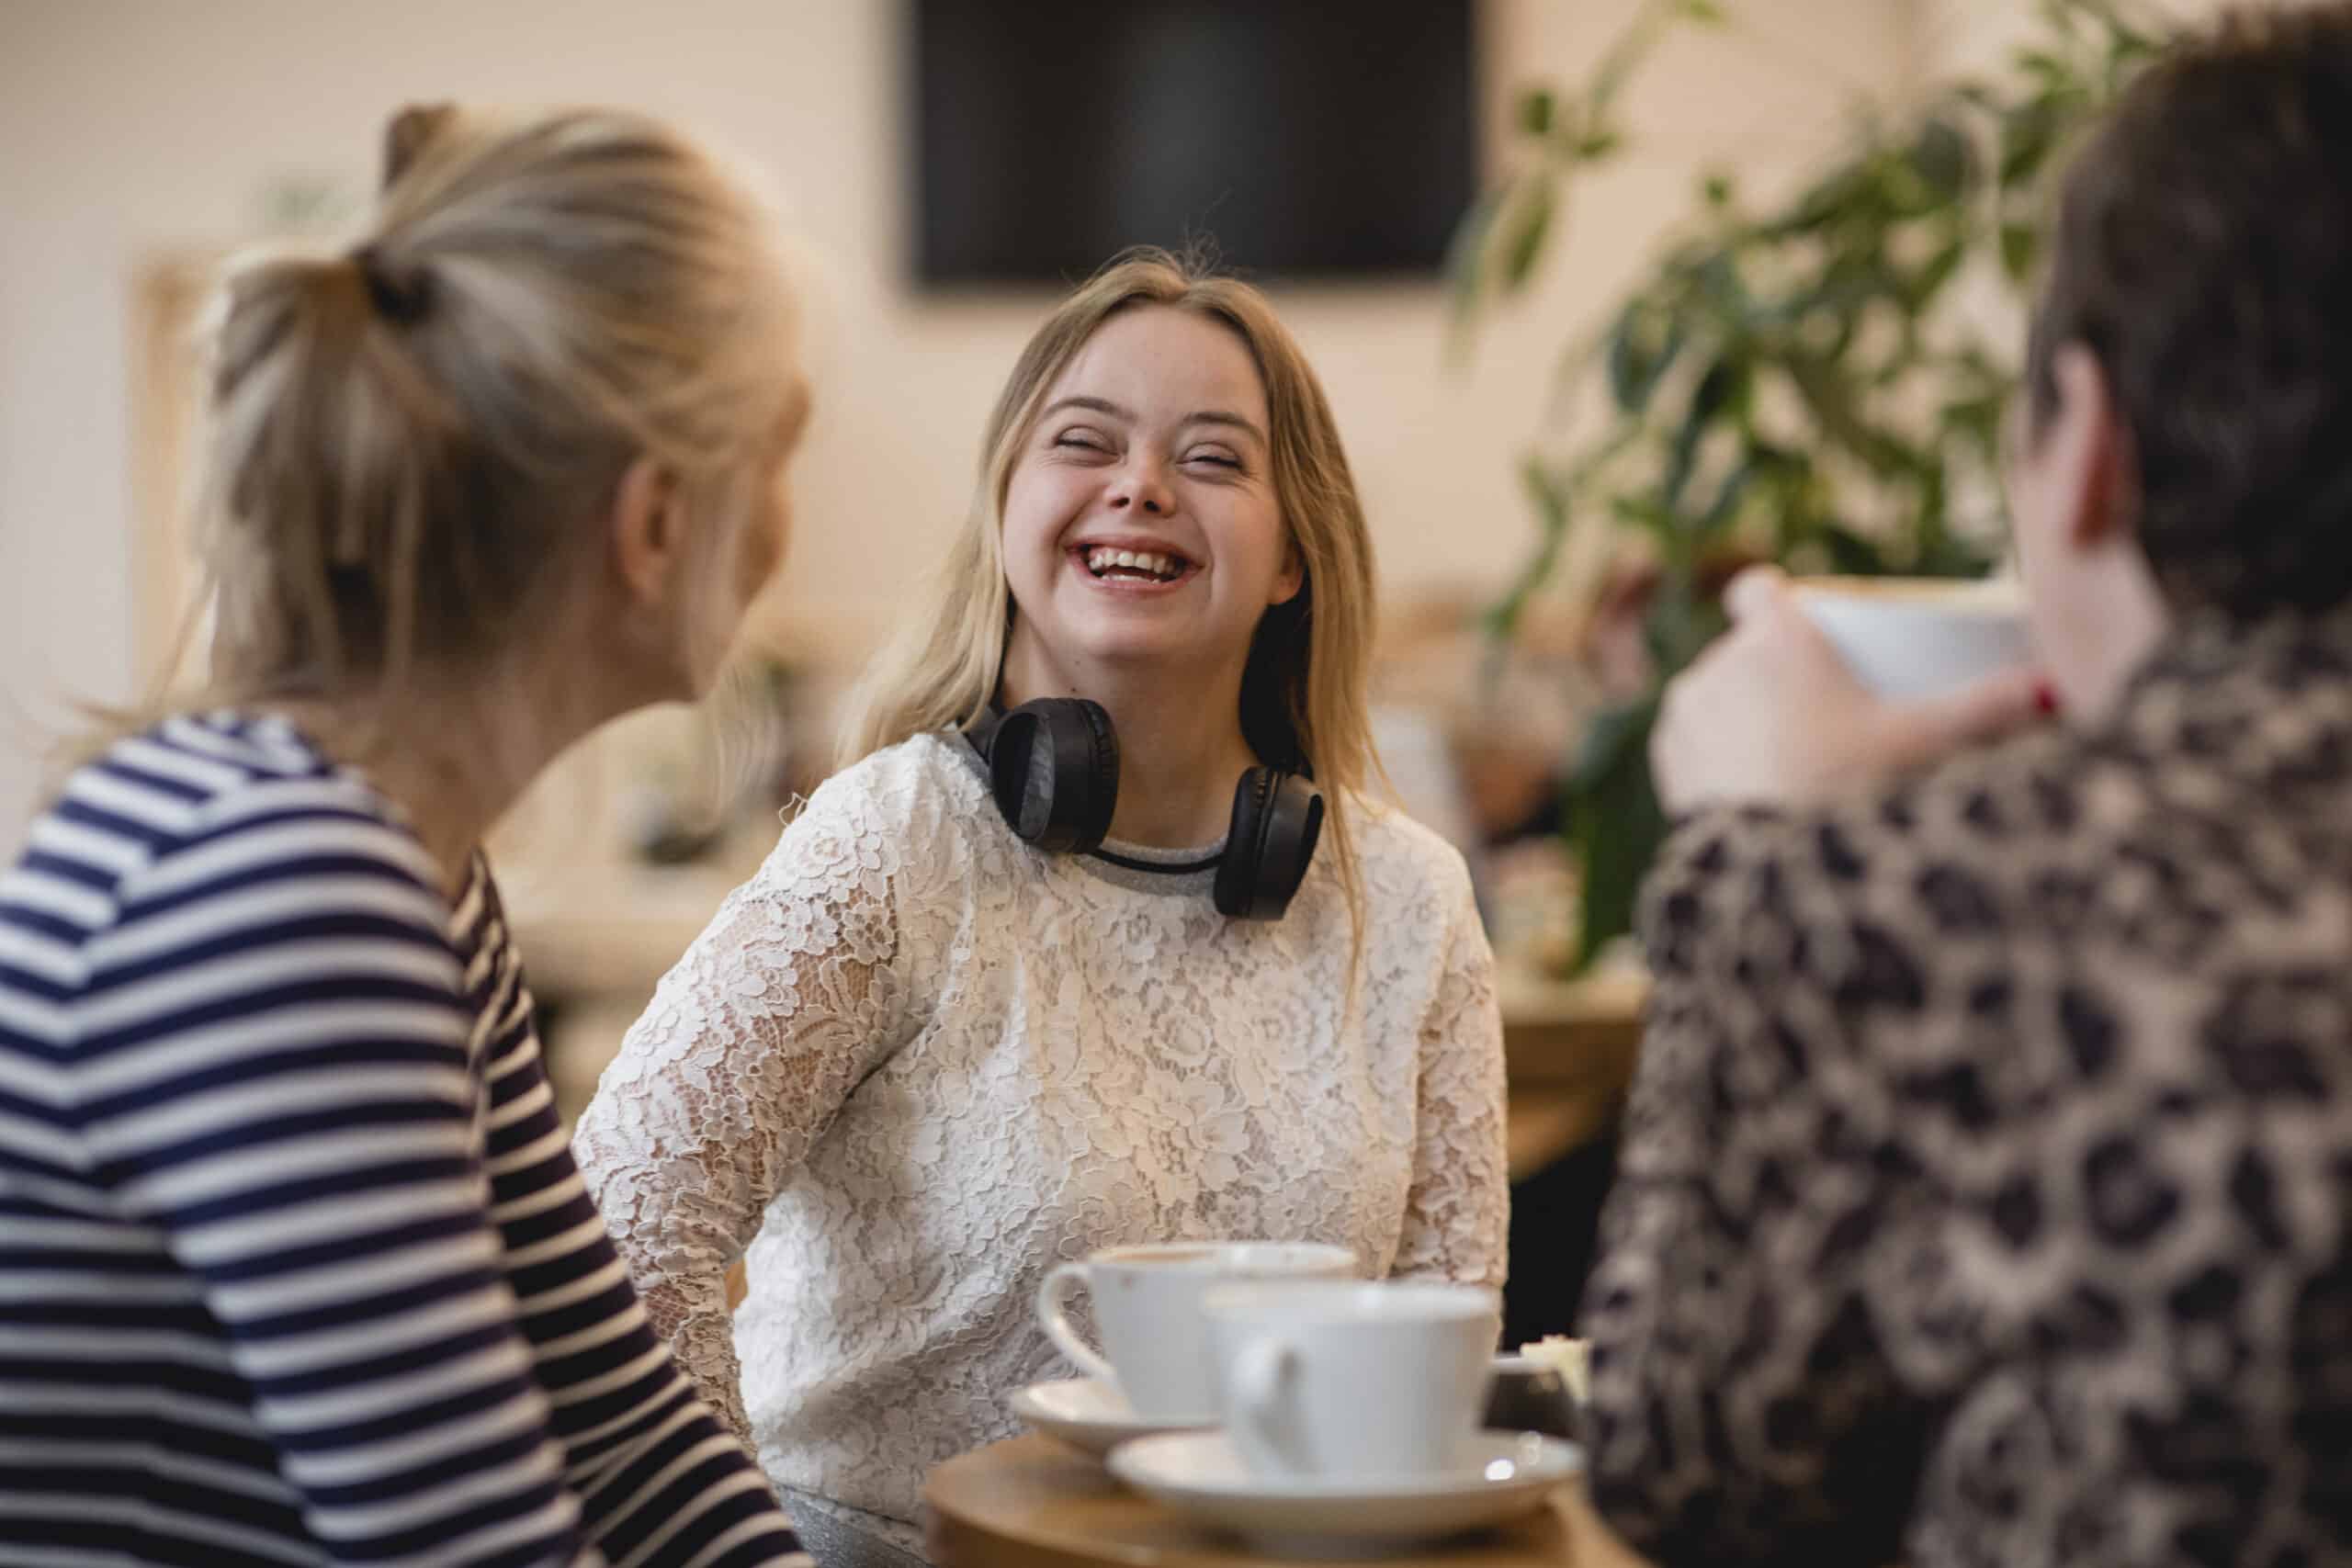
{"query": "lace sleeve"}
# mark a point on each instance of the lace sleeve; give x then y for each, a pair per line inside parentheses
(751, 1043)
(1458, 1210)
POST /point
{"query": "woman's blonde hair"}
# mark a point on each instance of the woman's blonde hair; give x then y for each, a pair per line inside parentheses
(406, 437)
(1303, 695)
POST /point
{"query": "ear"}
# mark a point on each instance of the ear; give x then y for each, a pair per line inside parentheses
(648, 527)
(1292, 575)
(2091, 453)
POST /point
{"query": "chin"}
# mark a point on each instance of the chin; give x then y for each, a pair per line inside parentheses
(1139, 645)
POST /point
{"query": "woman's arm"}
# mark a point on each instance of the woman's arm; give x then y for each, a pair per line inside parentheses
(750, 1048)
(1457, 1214)
(1745, 1408)
(649, 1460)
(304, 1140)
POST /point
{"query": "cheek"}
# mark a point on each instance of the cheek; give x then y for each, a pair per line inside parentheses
(1036, 506)
(1039, 509)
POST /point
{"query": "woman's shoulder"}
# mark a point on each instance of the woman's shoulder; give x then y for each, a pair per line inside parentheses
(200, 779)
(923, 792)
(934, 768)
(1399, 854)
(208, 811)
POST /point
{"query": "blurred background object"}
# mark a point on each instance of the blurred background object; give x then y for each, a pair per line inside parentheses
(1303, 144)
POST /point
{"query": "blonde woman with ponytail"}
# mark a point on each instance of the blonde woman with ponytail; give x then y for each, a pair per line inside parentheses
(1025, 981)
(295, 1266)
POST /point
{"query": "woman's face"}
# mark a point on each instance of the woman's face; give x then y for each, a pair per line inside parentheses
(1141, 528)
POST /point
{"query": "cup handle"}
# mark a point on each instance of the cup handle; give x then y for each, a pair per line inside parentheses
(1263, 1370)
(1053, 1311)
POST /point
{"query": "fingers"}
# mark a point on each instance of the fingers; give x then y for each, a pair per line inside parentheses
(1984, 711)
(1757, 591)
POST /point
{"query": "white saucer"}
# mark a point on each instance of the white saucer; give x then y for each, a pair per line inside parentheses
(1088, 1414)
(1505, 1474)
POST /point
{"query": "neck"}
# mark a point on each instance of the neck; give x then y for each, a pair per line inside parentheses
(2118, 623)
(1181, 748)
(455, 754)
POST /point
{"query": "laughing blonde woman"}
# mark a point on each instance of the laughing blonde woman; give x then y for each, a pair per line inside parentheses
(1097, 940)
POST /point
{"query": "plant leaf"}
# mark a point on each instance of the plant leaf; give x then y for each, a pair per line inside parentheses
(1466, 268)
(1536, 111)
(1526, 223)
(1929, 280)
(1853, 554)
(2019, 246)
(2029, 133)
(1713, 393)
(1943, 158)
(1614, 823)
(1831, 398)
(1642, 346)
(1595, 145)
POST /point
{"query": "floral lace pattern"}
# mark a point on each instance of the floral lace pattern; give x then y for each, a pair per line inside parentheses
(914, 1063)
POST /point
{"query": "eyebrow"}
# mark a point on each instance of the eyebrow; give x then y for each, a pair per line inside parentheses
(1115, 411)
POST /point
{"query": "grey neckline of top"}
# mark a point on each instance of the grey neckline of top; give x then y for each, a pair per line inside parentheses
(1165, 883)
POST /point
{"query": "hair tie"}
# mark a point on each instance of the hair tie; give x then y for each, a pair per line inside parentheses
(401, 295)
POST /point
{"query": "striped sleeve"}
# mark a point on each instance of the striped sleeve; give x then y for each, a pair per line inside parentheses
(273, 1071)
(662, 1483)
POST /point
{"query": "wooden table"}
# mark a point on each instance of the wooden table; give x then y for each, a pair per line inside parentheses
(1031, 1503)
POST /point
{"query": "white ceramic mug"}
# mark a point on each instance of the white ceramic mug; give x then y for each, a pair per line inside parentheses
(1146, 1302)
(1907, 637)
(1332, 1380)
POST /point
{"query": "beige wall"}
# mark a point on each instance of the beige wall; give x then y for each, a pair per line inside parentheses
(1970, 35)
(128, 127)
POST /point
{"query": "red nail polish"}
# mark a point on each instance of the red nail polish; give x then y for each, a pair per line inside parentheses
(2045, 698)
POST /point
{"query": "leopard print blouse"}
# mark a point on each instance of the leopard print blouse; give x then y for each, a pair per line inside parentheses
(1987, 1185)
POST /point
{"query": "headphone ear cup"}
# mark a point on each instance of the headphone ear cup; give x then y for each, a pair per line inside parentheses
(1054, 770)
(1277, 822)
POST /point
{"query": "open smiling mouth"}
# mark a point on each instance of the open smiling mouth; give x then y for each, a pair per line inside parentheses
(1132, 566)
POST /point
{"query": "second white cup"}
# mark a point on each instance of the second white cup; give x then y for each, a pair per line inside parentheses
(1147, 1305)
(1341, 1380)
(1912, 637)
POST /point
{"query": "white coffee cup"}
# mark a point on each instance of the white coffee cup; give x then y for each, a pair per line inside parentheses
(1907, 637)
(1146, 1302)
(1340, 1380)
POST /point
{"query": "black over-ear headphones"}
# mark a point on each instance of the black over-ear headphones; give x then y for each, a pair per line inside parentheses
(1054, 770)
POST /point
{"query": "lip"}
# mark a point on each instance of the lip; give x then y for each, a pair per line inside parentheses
(1141, 544)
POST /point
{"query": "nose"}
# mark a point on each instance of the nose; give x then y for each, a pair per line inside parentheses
(1138, 485)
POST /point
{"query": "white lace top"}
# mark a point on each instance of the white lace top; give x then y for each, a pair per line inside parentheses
(914, 1063)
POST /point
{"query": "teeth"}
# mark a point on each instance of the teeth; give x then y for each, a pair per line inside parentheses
(1103, 559)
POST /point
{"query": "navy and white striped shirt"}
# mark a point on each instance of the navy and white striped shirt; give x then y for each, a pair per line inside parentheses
(295, 1266)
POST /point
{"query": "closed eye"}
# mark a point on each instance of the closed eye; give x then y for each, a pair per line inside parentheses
(1218, 459)
(1082, 440)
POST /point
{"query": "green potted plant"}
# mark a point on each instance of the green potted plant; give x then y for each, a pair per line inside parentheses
(1798, 382)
